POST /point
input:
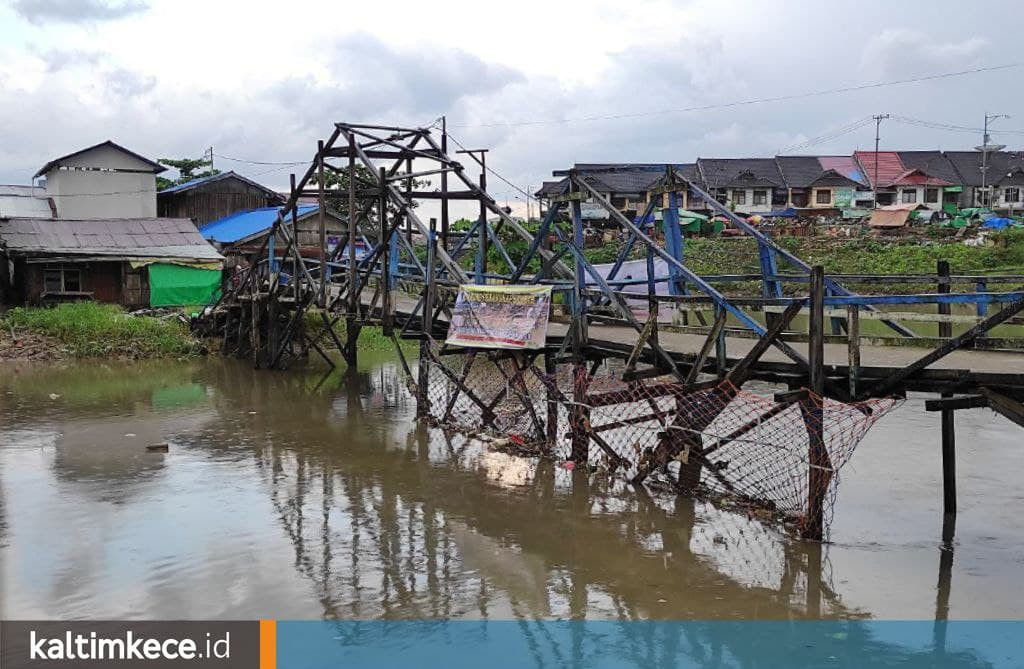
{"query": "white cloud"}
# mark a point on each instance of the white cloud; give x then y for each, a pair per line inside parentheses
(267, 82)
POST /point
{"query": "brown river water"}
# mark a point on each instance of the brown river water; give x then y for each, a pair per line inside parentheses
(293, 495)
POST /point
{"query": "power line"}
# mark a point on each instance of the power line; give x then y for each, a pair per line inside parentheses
(263, 162)
(832, 134)
(741, 103)
(936, 125)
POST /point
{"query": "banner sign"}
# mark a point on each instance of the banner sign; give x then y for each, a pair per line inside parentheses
(500, 316)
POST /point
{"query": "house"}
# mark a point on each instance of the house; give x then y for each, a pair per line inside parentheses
(102, 181)
(897, 182)
(811, 184)
(1004, 178)
(135, 262)
(212, 198)
(744, 184)
(242, 233)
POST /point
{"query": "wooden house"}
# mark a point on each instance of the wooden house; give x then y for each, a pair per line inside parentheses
(215, 197)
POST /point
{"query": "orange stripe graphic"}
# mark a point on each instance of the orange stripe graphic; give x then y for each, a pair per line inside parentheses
(268, 644)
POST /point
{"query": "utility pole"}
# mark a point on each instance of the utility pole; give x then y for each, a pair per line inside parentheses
(874, 178)
(211, 158)
(482, 245)
(985, 148)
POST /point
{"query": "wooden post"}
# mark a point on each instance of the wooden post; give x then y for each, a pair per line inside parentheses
(579, 414)
(853, 345)
(444, 187)
(948, 460)
(945, 329)
(720, 353)
(551, 370)
(385, 258)
(423, 370)
(351, 330)
(321, 223)
(812, 409)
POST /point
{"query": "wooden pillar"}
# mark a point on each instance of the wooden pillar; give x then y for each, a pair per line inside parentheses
(351, 329)
(551, 370)
(948, 460)
(853, 346)
(812, 409)
(385, 258)
(945, 329)
(444, 186)
(579, 414)
(423, 370)
(720, 353)
(321, 224)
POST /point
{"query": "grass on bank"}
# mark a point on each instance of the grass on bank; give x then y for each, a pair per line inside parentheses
(91, 329)
(371, 337)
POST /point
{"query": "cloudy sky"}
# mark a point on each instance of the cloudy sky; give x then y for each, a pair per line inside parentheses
(543, 84)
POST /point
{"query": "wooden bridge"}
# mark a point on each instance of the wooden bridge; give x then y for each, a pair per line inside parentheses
(617, 384)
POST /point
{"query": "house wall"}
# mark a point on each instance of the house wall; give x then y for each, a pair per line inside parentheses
(104, 280)
(213, 201)
(103, 183)
(748, 198)
(919, 193)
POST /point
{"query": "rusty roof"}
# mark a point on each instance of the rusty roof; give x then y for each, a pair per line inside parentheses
(126, 238)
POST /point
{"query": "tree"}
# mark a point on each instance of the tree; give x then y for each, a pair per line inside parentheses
(186, 170)
(336, 189)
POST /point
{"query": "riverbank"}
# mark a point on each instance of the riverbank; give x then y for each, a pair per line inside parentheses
(92, 330)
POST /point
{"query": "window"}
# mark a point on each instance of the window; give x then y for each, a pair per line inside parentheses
(1011, 195)
(739, 197)
(760, 197)
(62, 281)
(981, 197)
(823, 196)
(931, 195)
(908, 196)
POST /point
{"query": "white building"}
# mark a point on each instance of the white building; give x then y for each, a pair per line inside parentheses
(102, 181)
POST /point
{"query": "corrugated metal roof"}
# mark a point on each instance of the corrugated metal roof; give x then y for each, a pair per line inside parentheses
(889, 166)
(116, 237)
(932, 163)
(740, 172)
(799, 171)
(245, 224)
(21, 206)
(550, 188)
(195, 183)
(24, 191)
(846, 166)
(1000, 164)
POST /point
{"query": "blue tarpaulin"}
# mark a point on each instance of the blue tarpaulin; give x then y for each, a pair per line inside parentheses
(998, 223)
(777, 213)
(245, 224)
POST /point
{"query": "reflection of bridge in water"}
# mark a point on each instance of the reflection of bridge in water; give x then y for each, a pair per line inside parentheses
(438, 527)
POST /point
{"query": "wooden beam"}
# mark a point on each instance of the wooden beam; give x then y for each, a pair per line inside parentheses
(953, 344)
(956, 403)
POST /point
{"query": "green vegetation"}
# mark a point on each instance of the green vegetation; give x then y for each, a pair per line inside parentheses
(90, 329)
(187, 170)
(371, 338)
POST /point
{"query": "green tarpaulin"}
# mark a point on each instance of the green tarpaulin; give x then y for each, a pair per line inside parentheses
(177, 285)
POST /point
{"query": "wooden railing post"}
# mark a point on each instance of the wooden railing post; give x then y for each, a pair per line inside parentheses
(812, 409)
(853, 346)
(945, 328)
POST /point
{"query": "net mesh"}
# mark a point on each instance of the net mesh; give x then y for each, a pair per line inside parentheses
(777, 457)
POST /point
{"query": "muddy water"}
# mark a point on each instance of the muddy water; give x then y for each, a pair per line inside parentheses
(287, 495)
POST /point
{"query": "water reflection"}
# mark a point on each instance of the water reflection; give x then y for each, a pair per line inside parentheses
(295, 495)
